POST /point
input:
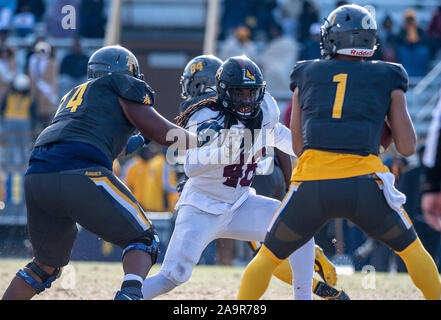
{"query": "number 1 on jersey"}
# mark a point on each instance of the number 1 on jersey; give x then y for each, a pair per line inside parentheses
(341, 79)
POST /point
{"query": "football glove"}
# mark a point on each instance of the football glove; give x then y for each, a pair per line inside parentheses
(135, 143)
(233, 140)
(208, 131)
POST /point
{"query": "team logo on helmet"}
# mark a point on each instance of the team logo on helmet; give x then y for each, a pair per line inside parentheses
(131, 63)
(248, 75)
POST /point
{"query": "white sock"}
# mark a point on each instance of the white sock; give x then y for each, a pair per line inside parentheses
(156, 285)
(131, 276)
(302, 266)
(131, 279)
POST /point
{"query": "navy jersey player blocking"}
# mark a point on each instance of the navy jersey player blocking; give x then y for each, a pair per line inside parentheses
(69, 179)
(341, 105)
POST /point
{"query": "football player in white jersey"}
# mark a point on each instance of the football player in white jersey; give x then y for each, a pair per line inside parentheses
(198, 82)
(217, 200)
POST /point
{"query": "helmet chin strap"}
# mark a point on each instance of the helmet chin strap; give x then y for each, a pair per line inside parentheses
(212, 88)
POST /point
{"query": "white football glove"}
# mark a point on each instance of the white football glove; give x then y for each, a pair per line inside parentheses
(233, 141)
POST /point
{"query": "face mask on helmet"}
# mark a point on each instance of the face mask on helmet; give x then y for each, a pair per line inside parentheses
(240, 87)
(199, 75)
(245, 102)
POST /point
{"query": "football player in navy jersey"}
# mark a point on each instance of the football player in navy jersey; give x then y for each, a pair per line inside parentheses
(69, 179)
(341, 105)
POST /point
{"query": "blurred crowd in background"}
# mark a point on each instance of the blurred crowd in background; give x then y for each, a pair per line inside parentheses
(275, 34)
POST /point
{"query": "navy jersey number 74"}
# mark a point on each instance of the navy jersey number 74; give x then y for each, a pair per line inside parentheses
(91, 113)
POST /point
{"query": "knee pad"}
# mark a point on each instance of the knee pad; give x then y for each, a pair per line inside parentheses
(46, 279)
(149, 243)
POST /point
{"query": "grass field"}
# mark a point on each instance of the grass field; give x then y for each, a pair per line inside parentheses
(99, 281)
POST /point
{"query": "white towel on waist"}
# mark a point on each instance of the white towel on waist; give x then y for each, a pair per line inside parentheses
(394, 198)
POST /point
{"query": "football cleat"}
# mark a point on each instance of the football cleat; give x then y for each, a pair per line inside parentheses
(329, 293)
(340, 296)
(324, 267)
(129, 293)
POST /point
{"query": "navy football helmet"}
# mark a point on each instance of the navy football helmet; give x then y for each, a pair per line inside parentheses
(113, 59)
(349, 30)
(199, 74)
(234, 75)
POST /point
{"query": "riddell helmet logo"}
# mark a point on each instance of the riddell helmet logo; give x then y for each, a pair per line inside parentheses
(357, 52)
(360, 53)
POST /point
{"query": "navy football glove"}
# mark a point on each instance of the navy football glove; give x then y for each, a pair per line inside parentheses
(135, 143)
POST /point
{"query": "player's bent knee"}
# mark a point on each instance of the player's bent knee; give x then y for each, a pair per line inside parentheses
(43, 280)
(179, 273)
(149, 243)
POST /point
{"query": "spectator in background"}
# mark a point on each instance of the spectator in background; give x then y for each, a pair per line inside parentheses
(151, 181)
(24, 21)
(290, 11)
(434, 31)
(7, 9)
(278, 58)
(36, 7)
(17, 111)
(234, 14)
(2, 189)
(3, 37)
(91, 19)
(73, 68)
(412, 51)
(308, 16)
(30, 50)
(7, 69)
(238, 44)
(263, 13)
(311, 47)
(387, 39)
(43, 71)
(56, 16)
(412, 187)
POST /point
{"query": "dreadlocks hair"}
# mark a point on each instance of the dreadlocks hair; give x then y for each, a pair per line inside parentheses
(182, 119)
(230, 119)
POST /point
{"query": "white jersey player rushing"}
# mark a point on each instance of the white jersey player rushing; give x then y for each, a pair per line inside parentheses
(219, 188)
(217, 200)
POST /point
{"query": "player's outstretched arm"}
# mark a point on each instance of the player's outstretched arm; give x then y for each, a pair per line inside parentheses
(296, 124)
(403, 132)
(154, 126)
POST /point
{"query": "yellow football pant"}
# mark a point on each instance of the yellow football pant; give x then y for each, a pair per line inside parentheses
(257, 275)
(419, 263)
(422, 270)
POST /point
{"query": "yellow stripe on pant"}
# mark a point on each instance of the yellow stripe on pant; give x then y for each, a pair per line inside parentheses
(122, 199)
